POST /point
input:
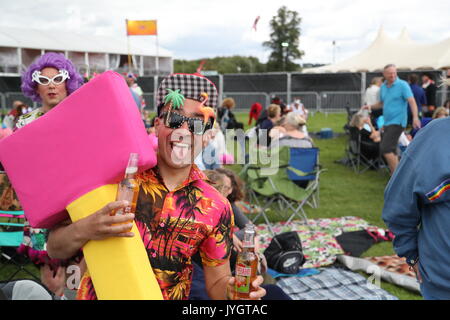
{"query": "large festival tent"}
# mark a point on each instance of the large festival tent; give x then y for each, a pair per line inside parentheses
(405, 53)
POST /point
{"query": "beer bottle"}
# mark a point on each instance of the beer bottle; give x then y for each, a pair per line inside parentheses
(128, 188)
(246, 265)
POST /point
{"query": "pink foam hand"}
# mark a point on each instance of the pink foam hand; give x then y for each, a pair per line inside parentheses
(78, 146)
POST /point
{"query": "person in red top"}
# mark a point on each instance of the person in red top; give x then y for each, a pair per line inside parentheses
(255, 112)
(178, 213)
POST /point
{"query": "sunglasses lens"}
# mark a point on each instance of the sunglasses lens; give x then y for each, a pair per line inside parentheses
(196, 126)
(175, 120)
(43, 80)
(58, 79)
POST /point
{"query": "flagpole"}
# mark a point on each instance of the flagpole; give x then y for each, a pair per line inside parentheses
(157, 55)
(128, 47)
(129, 55)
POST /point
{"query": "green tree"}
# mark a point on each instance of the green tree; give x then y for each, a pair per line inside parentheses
(284, 41)
(223, 65)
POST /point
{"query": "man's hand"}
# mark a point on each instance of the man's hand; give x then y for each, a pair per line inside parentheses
(237, 244)
(416, 123)
(365, 107)
(416, 271)
(55, 281)
(102, 224)
(257, 294)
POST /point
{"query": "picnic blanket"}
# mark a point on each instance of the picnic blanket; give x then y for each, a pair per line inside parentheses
(333, 284)
(388, 268)
(318, 238)
(393, 264)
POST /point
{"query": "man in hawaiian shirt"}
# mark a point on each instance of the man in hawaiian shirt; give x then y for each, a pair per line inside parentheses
(178, 213)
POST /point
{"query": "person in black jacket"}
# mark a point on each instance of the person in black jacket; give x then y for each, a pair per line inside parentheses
(226, 118)
(430, 91)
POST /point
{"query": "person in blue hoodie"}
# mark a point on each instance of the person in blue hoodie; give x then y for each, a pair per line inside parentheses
(417, 208)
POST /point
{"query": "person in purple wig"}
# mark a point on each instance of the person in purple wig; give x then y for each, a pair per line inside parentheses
(49, 80)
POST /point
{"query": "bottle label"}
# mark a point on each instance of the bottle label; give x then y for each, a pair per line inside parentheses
(131, 170)
(248, 244)
(243, 279)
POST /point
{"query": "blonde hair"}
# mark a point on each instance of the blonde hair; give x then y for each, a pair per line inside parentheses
(272, 110)
(228, 103)
(216, 179)
(357, 120)
(439, 111)
(376, 80)
(295, 120)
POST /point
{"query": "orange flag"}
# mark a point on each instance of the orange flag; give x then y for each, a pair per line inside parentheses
(141, 27)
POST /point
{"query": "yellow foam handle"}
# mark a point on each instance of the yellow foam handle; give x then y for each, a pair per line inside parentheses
(119, 267)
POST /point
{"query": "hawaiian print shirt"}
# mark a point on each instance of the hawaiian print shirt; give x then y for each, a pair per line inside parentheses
(174, 225)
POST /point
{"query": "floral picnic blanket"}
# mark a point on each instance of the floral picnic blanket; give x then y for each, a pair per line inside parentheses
(318, 238)
(393, 264)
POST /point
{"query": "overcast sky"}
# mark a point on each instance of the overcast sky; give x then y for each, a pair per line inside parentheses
(195, 29)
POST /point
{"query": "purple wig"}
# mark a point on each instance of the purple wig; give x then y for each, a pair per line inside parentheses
(50, 60)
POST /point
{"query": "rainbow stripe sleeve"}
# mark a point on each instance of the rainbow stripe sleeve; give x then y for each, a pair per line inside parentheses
(438, 191)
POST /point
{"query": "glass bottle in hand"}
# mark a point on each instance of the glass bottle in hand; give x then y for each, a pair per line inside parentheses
(128, 188)
(246, 265)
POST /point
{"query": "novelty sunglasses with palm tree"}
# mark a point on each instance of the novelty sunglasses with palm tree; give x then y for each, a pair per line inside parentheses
(175, 120)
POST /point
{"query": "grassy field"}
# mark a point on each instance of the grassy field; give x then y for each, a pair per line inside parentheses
(342, 192)
(345, 193)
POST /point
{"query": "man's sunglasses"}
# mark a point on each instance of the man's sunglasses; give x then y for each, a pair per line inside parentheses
(62, 76)
(175, 120)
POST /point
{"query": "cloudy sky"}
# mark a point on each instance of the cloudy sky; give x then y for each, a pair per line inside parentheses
(195, 29)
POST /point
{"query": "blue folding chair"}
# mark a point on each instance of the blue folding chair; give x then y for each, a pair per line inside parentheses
(306, 160)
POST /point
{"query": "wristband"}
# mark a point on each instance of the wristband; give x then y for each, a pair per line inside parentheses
(412, 262)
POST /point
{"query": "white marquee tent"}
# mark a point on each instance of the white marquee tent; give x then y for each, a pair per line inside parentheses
(19, 47)
(402, 51)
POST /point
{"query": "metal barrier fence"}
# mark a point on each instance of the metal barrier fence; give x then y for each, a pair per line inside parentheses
(311, 100)
(149, 102)
(244, 100)
(2, 103)
(442, 96)
(327, 101)
(337, 101)
(10, 97)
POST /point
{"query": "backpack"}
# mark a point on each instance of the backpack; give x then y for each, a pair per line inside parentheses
(284, 253)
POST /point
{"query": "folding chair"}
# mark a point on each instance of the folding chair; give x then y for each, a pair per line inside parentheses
(306, 160)
(278, 188)
(11, 236)
(359, 162)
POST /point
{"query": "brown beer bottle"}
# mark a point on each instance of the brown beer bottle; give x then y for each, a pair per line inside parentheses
(246, 265)
(128, 188)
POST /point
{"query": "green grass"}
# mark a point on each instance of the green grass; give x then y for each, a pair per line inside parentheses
(345, 193)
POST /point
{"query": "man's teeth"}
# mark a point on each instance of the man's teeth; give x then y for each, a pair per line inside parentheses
(180, 145)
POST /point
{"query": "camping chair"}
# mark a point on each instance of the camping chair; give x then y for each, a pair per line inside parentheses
(11, 236)
(359, 162)
(306, 160)
(272, 183)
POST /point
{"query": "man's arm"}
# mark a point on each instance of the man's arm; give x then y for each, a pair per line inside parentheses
(401, 212)
(216, 279)
(67, 238)
(415, 117)
(375, 106)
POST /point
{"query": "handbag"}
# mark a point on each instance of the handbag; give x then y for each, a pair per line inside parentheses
(285, 254)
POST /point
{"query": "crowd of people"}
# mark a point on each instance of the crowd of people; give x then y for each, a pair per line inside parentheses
(393, 112)
(191, 188)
